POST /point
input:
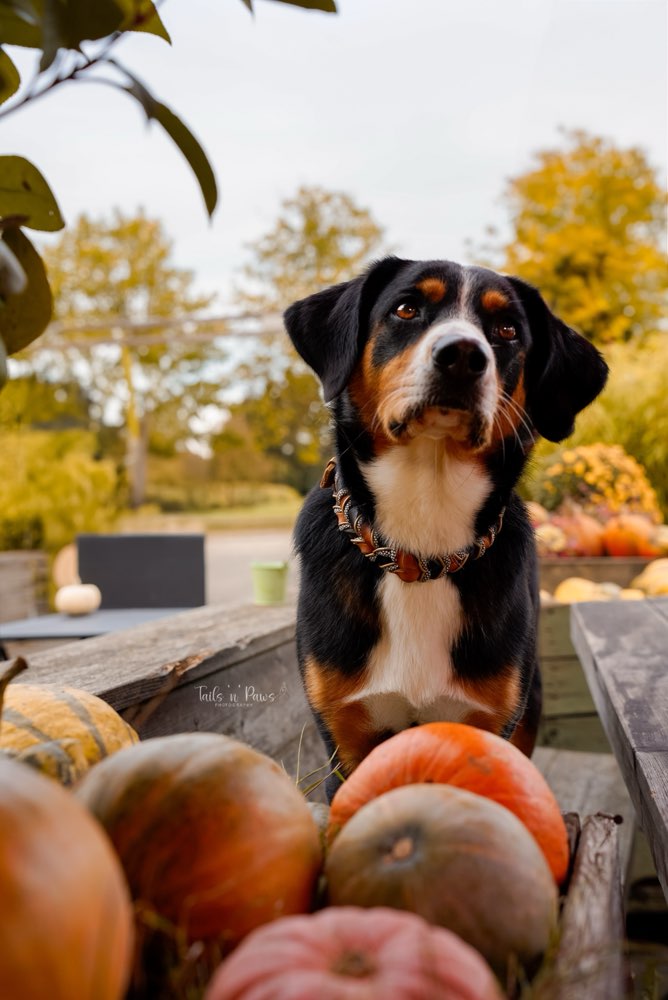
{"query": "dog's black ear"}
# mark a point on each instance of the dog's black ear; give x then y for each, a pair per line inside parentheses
(563, 373)
(329, 328)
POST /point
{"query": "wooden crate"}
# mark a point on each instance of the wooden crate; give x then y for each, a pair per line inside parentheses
(607, 569)
(589, 959)
(23, 584)
(570, 720)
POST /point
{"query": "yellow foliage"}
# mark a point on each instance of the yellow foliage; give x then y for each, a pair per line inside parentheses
(51, 479)
(589, 231)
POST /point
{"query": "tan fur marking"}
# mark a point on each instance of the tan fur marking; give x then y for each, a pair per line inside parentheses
(502, 693)
(492, 300)
(348, 722)
(381, 393)
(433, 289)
(524, 737)
(509, 416)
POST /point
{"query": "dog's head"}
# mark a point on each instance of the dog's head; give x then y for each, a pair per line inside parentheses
(439, 350)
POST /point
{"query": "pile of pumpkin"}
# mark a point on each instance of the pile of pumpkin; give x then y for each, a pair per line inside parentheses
(651, 582)
(571, 531)
(434, 873)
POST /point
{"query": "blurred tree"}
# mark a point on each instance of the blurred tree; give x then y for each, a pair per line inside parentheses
(320, 238)
(109, 271)
(51, 487)
(589, 228)
(40, 404)
(287, 424)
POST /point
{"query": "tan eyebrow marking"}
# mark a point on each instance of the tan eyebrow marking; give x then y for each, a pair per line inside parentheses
(433, 289)
(493, 300)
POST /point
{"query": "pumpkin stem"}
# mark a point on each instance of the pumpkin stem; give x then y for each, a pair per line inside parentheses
(15, 668)
(354, 964)
(400, 850)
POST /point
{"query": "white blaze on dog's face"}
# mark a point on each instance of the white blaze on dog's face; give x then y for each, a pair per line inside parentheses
(452, 344)
(443, 360)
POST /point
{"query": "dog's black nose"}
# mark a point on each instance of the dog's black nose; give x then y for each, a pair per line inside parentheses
(459, 357)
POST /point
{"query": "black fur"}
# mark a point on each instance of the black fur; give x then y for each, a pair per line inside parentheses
(339, 620)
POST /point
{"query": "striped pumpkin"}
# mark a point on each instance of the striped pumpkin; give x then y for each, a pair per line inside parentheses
(59, 730)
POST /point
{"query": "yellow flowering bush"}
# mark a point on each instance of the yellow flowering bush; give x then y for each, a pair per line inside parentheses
(602, 478)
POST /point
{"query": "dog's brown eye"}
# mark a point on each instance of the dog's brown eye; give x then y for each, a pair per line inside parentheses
(405, 311)
(506, 331)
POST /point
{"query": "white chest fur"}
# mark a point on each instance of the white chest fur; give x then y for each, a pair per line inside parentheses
(427, 502)
(426, 498)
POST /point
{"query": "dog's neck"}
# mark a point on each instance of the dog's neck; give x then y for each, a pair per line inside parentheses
(426, 496)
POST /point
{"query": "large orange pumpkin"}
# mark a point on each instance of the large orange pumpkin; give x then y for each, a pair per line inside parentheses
(346, 953)
(213, 836)
(65, 913)
(631, 535)
(455, 754)
(457, 859)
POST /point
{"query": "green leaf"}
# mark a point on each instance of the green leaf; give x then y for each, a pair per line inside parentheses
(180, 135)
(23, 191)
(329, 6)
(141, 15)
(9, 77)
(249, 4)
(19, 25)
(3, 363)
(193, 152)
(25, 316)
(13, 279)
(67, 23)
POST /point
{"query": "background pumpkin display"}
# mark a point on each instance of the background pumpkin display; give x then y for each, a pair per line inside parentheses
(346, 953)
(65, 914)
(60, 731)
(213, 836)
(457, 859)
(459, 755)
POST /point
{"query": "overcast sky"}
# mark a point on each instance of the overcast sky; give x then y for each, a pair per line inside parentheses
(419, 108)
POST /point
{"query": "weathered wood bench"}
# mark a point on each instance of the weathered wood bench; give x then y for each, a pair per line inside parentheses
(231, 670)
(623, 648)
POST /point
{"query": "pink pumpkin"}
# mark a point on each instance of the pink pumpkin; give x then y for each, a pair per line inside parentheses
(349, 953)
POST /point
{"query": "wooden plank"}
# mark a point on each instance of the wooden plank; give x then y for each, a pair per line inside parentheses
(624, 652)
(259, 700)
(623, 648)
(589, 961)
(23, 584)
(574, 732)
(604, 569)
(565, 688)
(554, 631)
(652, 805)
(126, 668)
(587, 783)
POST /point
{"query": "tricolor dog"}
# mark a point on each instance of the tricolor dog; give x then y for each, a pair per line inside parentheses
(419, 596)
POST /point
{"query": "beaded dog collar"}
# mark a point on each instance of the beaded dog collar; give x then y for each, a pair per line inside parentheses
(408, 567)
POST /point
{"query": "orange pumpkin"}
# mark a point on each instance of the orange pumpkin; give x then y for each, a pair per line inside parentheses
(65, 913)
(459, 860)
(213, 836)
(630, 535)
(346, 953)
(455, 754)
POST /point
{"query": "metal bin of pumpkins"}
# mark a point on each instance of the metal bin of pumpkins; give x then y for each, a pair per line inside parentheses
(191, 866)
